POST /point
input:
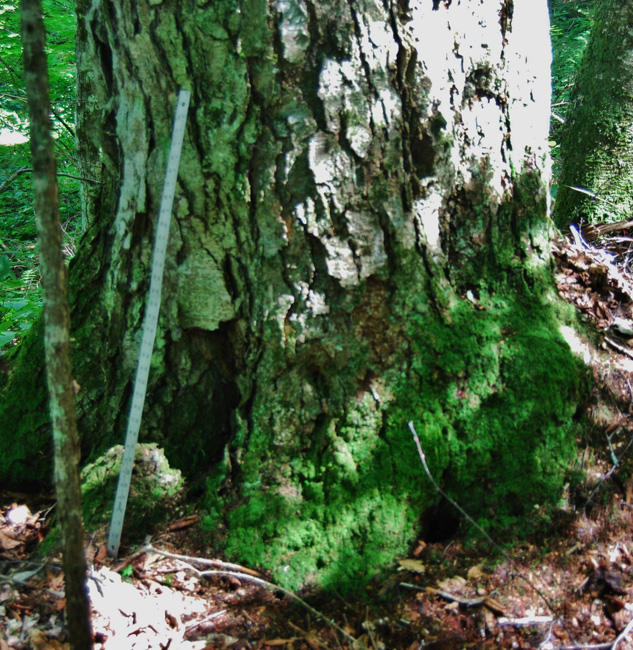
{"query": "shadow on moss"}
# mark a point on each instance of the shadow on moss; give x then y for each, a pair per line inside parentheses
(494, 392)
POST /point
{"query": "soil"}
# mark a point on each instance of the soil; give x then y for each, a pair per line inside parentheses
(567, 585)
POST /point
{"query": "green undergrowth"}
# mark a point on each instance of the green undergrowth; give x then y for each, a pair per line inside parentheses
(20, 289)
(570, 27)
(494, 393)
(25, 440)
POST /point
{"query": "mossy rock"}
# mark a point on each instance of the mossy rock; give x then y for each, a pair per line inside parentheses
(154, 486)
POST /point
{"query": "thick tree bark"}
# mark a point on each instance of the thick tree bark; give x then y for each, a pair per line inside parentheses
(360, 239)
(56, 327)
(597, 143)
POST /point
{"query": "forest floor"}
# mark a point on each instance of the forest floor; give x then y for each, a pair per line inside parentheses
(568, 586)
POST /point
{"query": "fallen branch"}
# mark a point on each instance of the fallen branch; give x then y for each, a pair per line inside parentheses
(447, 595)
(524, 621)
(200, 560)
(616, 346)
(250, 576)
(28, 170)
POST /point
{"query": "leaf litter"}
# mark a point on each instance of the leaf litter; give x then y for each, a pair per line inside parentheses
(447, 595)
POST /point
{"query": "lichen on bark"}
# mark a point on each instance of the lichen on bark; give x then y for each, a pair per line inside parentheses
(357, 243)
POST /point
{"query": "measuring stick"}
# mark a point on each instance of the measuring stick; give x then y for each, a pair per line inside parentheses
(149, 326)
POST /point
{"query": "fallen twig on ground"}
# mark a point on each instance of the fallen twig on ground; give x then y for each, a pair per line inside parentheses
(524, 621)
(608, 645)
(251, 576)
(471, 521)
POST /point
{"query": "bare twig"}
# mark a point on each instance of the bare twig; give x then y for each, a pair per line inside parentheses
(471, 521)
(524, 621)
(593, 195)
(250, 576)
(13, 176)
(608, 645)
(620, 348)
(588, 646)
(24, 170)
(200, 560)
(61, 120)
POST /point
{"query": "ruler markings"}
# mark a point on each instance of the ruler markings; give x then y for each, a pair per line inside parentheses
(150, 324)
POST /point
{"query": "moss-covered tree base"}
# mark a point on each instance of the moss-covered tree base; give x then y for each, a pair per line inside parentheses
(496, 396)
(359, 239)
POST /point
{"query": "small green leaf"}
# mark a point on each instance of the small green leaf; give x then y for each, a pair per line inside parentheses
(5, 268)
(15, 304)
(6, 337)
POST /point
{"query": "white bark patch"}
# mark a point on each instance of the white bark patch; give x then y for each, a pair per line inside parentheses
(293, 29)
(529, 59)
(350, 105)
(333, 174)
(368, 243)
(481, 79)
(305, 322)
(340, 261)
(343, 95)
(427, 212)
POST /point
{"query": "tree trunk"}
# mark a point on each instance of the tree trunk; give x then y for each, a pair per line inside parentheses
(57, 327)
(360, 239)
(597, 141)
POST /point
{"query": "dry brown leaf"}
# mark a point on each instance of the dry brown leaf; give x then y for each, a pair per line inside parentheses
(185, 522)
(475, 572)
(452, 585)
(102, 554)
(40, 642)
(494, 606)
(412, 565)
(420, 546)
(7, 543)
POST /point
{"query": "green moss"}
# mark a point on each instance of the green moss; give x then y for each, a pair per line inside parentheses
(597, 136)
(25, 437)
(154, 483)
(493, 391)
(507, 388)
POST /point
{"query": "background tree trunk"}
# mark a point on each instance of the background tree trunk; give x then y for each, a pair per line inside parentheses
(360, 239)
(597, 142)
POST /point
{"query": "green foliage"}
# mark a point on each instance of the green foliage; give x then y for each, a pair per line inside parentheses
(127, 573)
(21, 301)
(570, 26)
(571, 22)
(20, 293)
